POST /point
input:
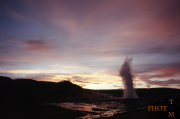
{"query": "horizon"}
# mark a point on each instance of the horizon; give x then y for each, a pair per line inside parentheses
(94, 88)
(86, 42)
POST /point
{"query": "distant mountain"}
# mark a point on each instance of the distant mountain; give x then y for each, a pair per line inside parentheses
(31, 91)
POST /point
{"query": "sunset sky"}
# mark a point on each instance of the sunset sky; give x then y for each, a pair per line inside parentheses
(87, 41)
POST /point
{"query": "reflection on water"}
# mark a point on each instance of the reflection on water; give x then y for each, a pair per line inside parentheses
(96, 109)
(107, 108)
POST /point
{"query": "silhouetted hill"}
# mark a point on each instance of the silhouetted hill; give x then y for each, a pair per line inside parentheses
(27, 98)
(31, 91)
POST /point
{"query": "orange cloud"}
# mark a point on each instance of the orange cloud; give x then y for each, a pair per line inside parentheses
(17, 71)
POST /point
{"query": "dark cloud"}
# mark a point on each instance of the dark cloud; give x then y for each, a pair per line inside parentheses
(77, 77)
(38, 45)
(118, 86)
(163, 83)
(81, 81)
(160, 82)
(162, 75)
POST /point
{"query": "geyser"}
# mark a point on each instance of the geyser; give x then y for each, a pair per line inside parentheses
(125, 73)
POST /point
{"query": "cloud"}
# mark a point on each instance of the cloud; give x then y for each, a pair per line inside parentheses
(38, 46)
(163, 83)
(6, 63)
(166, 70)
(16, 71)
(162, 75)
(159, 75)
(118, 86)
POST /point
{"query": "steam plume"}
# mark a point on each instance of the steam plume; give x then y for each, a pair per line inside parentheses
(125, 73)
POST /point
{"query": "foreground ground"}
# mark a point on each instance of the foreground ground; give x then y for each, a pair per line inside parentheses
(133, 107)
(29, 99)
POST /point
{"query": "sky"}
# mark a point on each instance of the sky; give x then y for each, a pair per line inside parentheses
(87, 41)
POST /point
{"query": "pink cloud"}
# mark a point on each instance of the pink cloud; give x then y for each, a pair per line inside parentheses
(162, 75)
(162, 83)
(167, 71)
(37, 45)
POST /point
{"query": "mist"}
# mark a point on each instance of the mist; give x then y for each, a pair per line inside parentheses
(125, 73)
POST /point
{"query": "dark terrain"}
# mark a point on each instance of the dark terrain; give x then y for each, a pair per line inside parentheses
(30, 99)
(27, 98)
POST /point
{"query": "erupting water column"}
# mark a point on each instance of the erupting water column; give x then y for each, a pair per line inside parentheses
(125, 73)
